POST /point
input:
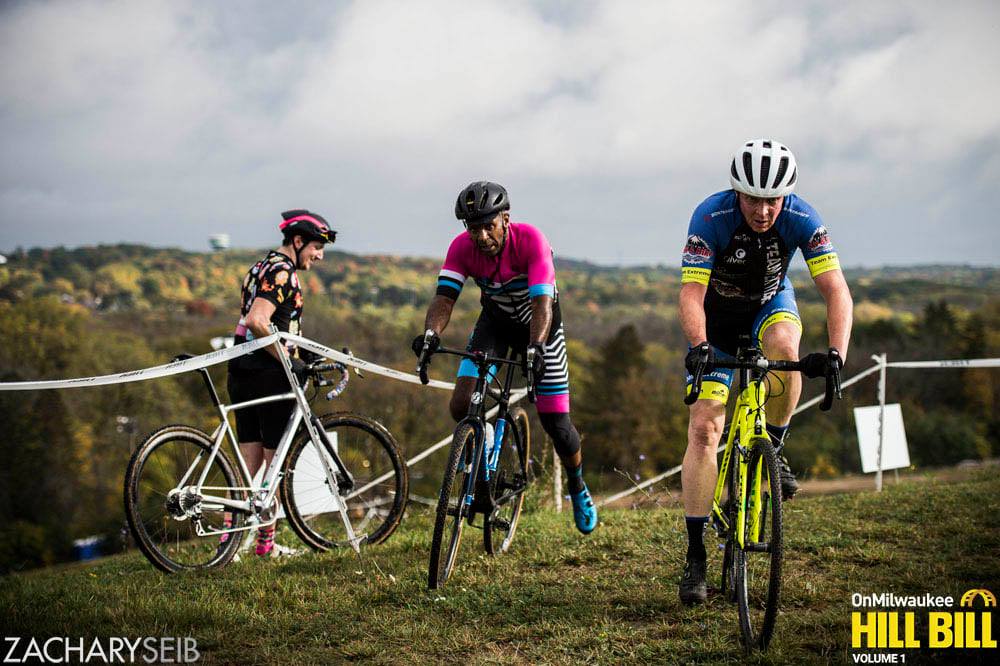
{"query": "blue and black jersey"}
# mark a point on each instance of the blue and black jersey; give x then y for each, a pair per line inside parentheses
(744, 269)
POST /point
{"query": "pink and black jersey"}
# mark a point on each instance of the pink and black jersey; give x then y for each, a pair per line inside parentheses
(522, 270)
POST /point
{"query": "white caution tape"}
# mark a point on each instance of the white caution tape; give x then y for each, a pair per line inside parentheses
(956, 363)
(215, 357)
(360, 364)
(193, 363)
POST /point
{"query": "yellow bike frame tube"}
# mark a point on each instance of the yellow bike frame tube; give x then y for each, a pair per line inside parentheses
(723, 474)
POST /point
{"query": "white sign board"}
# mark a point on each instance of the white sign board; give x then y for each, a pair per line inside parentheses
(311, 493)
(895, 453)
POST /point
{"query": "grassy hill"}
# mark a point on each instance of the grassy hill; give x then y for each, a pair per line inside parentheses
(556, 597)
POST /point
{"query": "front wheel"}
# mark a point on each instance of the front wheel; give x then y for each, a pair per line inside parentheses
(758, 564)
(169, 513)
(375, 497)
(509, 484)
(451, 508)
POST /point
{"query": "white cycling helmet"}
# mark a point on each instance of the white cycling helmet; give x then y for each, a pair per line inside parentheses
(763, 168)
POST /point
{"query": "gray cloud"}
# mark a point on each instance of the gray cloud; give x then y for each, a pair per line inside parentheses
(162, 122)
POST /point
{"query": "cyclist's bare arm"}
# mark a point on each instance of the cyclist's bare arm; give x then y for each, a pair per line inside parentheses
(541, 319)
(259, 320)
(839, 308)
(439, 313)
(692, 312)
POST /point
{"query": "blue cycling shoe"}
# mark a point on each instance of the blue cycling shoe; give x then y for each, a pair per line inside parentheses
(584, 511)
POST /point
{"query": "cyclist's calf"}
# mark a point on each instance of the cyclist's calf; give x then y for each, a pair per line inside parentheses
(461, 397)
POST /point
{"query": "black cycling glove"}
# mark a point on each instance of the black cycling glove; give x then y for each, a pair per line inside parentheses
(309, 356)
(696, 354)
(301, 370)
(817, 364)
(538, 362)
(432, 343)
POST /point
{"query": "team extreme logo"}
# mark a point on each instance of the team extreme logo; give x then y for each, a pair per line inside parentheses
(966, 627)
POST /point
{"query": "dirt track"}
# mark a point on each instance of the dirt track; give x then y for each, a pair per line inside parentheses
(855, 483)
(862, 482)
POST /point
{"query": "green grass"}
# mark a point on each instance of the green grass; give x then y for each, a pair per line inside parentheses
(557, 597)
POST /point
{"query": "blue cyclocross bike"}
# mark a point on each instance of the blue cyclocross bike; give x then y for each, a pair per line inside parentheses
(488, 468)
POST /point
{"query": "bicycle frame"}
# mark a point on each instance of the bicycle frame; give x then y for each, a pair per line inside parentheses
(747, 424)
(261, 498)
(476, 417)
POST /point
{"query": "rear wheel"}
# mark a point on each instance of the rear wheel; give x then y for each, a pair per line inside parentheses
(758, 564)
(451, 508)
(509, 484)
(164, 511)
(374, 503)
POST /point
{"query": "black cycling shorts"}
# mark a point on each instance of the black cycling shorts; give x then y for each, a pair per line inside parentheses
(262, 423)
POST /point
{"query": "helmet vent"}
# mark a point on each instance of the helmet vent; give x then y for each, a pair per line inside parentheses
(732, 169)
(782, 168)
(765, 167)
(767, 144)
(748, 168)
(486, 199)
(794, 176)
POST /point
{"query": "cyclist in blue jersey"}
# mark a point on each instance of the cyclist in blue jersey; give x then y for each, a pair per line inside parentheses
(734, 282)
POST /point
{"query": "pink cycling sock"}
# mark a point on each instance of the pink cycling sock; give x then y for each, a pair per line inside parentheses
(265, 540)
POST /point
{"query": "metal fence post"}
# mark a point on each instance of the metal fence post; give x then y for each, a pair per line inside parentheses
(881, 358)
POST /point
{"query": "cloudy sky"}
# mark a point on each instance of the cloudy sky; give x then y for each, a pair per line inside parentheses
(163, 122)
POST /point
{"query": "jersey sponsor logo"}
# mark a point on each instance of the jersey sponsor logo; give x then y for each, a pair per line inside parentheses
(773, 274)
(692, 274)
(696, 251)
(800, 213)
(738, 258)
(820, 241)
(716, 213)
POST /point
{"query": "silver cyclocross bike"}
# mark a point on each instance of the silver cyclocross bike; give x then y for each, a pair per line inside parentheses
(340, 478)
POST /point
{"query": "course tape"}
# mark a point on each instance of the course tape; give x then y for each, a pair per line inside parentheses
(193, 363)
(214, 358)
(360, 364)
(956, 363)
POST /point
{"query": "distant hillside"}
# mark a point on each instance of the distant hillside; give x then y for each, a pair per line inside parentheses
(136, 277)
(93, 311)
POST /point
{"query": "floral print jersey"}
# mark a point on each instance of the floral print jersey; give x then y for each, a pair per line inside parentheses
(272, 278)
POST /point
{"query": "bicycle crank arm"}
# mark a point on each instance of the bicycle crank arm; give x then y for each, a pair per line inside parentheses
(757, 547)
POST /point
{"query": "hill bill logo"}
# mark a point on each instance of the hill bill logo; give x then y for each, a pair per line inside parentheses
(989, 599)
(965, 627)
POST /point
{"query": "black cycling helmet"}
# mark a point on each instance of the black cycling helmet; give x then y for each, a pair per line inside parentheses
(480, 202)
(310, 226)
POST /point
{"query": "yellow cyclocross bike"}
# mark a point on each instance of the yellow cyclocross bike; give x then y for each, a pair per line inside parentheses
(746, 509)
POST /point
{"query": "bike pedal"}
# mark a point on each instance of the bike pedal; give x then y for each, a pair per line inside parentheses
(501, 524)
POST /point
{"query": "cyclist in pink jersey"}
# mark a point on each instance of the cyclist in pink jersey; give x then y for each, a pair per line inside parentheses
(512, 264)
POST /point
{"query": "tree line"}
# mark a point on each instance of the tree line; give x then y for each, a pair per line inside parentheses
(93, 311)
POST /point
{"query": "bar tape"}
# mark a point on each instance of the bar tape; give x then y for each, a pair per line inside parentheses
(214, 358)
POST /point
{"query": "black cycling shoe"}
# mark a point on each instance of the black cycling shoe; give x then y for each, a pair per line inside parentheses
(789, 486)
(692, 588)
